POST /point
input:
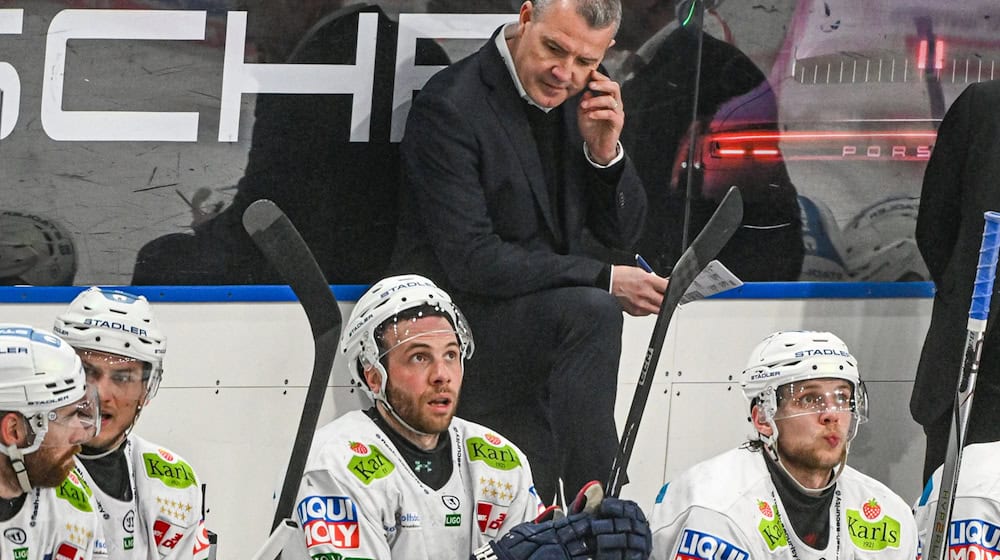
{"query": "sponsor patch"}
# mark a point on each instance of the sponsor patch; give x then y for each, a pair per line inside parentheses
(410, 520)
(166, 535)
(451, 502)
(369, 466)
(329, 521)
(453, 520)
(696, 545)
(128, 543)
(172, 472)
(973, 539)
(770, 527)
(75, 491)
(500, 458)
(16, 535)
(67, 551)
(201, 543)
(872, 534)
(21, 553)
(490, 517)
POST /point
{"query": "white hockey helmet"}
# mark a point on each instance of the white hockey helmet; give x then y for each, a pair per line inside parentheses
(788, 357)
(117, 323)
(35, 250)
(39, 373)
(780, 367)
(381, 305)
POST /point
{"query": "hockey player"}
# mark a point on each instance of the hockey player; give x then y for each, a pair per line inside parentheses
(975, 518)
(409, 481)
(149, 496)
(46, 508)
(788, 493)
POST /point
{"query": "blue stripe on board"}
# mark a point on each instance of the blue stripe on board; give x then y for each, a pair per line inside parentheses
(180, 294)
(351, 292)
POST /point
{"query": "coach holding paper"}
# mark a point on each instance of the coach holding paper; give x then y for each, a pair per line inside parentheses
(509, 155)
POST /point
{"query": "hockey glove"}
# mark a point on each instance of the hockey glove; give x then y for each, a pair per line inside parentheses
(616, 531)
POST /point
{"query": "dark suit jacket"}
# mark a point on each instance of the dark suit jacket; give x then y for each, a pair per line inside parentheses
(961, 183)
(475, 213)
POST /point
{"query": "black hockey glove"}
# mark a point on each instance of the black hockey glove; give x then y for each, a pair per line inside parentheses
(617, 530)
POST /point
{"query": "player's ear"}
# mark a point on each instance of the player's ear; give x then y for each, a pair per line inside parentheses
(759, 421)
(13, 429)
(373, 377)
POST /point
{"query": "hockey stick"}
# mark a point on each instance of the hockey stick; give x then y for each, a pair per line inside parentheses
(978, 312)
(713, 237)
(284, 248)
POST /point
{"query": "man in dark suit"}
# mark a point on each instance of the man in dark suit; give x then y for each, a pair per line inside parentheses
(509, 155)
(960, 185)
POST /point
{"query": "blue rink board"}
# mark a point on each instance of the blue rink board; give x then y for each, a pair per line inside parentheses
(351, 292)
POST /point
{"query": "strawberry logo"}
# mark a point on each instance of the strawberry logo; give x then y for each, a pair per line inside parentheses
(765, 508)
(167, 456)
(871, 509)
(359, 448)
(493, 439)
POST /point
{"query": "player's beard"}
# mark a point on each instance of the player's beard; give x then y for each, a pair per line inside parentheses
(48, 467)
(410, 410)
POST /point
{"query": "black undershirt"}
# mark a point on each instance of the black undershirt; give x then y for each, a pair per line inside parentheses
(809, 516)
(432, 467)
(110, 472)
(9, 508)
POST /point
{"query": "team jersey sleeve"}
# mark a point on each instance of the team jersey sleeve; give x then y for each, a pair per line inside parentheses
(696, 533)
(339, 521)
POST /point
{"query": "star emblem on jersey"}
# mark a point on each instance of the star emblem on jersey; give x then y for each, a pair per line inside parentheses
(496, 490)
(421, 466)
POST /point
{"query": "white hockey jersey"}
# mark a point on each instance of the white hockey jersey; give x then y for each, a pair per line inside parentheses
(727, 508)
(975, 518)
(55, 524)
(163, 518)
(360, 499)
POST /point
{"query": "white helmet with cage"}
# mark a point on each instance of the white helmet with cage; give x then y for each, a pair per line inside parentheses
(386, 303)
(117, 323)
(35, 250)
(779, 368)
(42, 378)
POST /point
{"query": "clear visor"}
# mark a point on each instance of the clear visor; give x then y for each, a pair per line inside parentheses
(73, 424)
(810, 397)
(116, 377)
(405, 327)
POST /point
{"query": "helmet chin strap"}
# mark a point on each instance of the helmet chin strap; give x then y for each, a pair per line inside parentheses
(117, 443)
(771, 446)
(381, 397)
(17, 463)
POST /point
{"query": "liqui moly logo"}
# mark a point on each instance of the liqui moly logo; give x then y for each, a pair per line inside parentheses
(329, 521)
(973, 539)
(696, 545)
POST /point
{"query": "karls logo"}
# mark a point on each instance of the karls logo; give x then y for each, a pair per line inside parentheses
(173, 474)
(238, 76)
(75, 492)
(696, 545)
(973, 539)
(370, 466)
(490, 517)
(329, 521)
(500, 458)
(872, 535)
